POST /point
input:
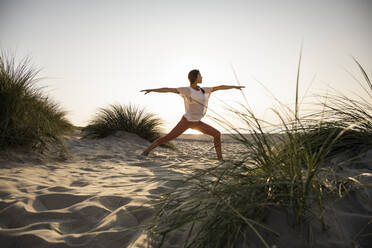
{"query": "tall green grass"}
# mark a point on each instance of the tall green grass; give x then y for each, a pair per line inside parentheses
(129, 118)
(28, 118)
(227, 204)
(287, 170)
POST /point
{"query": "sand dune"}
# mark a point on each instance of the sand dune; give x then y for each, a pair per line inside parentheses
(102, 195)
(99, 197)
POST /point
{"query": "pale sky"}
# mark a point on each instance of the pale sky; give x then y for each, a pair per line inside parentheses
(95, 53)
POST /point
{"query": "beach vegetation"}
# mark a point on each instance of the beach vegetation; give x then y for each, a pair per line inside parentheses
(128, 118)
(28, 117)
(288, 170)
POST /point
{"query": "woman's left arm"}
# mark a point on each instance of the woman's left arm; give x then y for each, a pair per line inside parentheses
(226, 87)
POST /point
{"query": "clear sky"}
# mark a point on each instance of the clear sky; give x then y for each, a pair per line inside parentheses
(95, 53)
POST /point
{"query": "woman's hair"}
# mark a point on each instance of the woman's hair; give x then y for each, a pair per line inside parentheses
(193, 75)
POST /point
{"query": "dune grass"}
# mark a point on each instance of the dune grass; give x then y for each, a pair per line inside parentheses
(355, 115)
(128, 118)
(289, 171)
(227, 204)
(28, 118)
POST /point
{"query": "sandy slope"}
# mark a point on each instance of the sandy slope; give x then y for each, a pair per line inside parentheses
(101, 195)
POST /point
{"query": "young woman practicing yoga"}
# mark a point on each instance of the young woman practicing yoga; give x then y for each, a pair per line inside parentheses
(196, 103)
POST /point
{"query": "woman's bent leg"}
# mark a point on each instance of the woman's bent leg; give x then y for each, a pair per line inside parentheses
(209, 130)
(181, 127)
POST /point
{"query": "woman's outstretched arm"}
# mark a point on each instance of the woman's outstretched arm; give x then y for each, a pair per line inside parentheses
(227, 87)
(161, 90)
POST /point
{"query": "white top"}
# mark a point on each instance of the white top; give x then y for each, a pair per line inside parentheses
(196, 102)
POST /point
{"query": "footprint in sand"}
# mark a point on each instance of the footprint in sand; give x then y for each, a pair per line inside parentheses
(57, 201)
(113, 202)
(79, 183)
(59, 189)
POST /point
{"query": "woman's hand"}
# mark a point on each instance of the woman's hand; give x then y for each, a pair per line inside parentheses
(146, 91)
(239, 87)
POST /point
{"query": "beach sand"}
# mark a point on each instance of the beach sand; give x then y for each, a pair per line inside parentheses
(101, 194)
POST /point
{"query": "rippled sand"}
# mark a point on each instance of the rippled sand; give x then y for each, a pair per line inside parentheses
(101, 195)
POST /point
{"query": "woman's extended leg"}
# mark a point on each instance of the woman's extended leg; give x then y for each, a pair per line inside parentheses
(181, 127)
(206, 129)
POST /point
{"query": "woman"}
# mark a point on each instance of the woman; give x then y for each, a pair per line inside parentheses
(196, 102)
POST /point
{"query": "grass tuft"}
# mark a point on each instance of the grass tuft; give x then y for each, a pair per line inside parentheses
(28, 118)
(129, 118)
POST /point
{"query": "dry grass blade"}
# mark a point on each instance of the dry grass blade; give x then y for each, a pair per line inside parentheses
(368, 81)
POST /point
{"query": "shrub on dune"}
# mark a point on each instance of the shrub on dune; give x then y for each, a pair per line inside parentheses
(129, 118)
(340, 139)
(28, 118)
(348, 119)
(352, 114)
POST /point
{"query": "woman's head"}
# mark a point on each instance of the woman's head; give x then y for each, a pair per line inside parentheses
(195, 77)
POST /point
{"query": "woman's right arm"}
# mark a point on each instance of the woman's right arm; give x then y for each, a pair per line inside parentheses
(161, 90)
